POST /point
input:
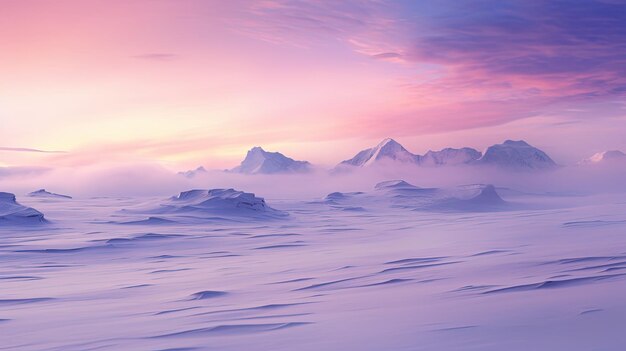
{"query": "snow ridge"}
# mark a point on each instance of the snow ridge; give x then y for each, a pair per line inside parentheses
(388, 149)
(510, 154)
(193, 172)
(47, 194)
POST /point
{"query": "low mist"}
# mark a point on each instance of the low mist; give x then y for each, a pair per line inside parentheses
(154, 180)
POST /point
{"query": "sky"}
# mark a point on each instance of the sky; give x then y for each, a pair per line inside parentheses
(184, 83)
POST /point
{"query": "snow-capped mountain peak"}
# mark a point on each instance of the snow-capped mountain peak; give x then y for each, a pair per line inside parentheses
(387, 149)
(259, 161)
(516, 154)
(511, 154)
(450, 156)
(610, 156)
(516, 143)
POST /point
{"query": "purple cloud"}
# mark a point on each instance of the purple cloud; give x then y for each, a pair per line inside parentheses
(547, 46)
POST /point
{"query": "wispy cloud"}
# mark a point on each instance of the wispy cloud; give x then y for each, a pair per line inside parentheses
(386, 55)
(157, 56)
(25, 149)
(296, 73)
(554, 49)
(559, 48)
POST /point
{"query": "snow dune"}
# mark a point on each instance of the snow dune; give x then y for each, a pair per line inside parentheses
(401, 194)
(400, 274)
(213, 204)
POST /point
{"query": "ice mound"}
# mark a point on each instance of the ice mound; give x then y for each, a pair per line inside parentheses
(472, 198)
(400, 189)
(336, 196)
(213, 203)
(478, 197)
(487, 194)
(220, 198)
(340, 200)
(47, 194)
(11, 212)
(401, 194)
(394, 185)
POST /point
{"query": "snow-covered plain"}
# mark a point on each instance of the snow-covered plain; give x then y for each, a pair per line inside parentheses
(395, 267)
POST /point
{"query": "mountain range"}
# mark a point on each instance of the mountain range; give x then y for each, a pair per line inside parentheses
(510, 154)
(513, 155)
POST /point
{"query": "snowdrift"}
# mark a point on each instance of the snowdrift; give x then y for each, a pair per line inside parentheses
(211, 204)
(478, 197)
(13, 213)
(401, 194)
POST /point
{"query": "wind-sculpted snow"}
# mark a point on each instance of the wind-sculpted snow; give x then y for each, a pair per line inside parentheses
(401, 194)
(339, 196)
(214, 204)
(13, 213)
(471, 198)
(395, 185)
(396, 275)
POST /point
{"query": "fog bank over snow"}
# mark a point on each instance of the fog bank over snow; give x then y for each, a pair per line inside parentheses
(102, 180)
(154, 180)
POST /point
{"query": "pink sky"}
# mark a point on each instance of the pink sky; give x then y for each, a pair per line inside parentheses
(189, 82)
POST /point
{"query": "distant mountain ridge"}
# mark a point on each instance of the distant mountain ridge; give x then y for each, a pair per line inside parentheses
(450, 156)
(510, 154)
(193, 172)
(606, 157)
